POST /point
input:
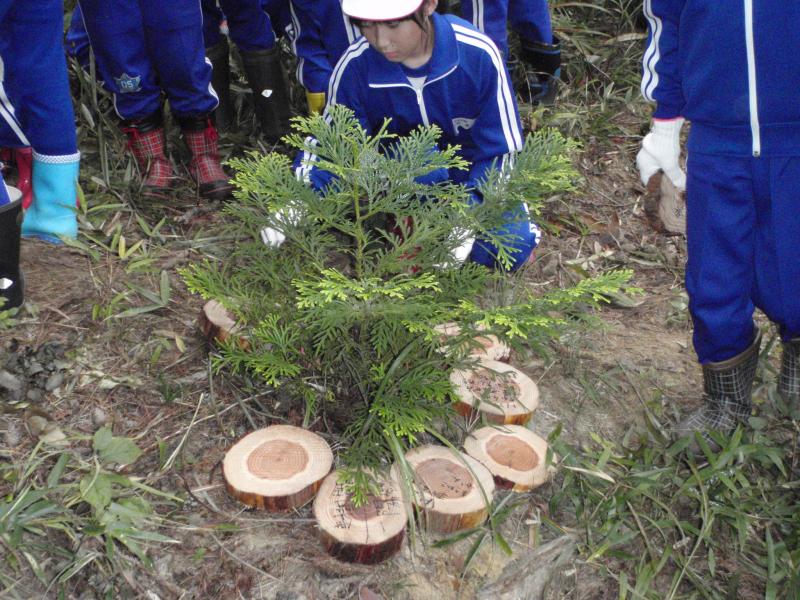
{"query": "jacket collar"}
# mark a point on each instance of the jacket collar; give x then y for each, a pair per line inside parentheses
(384, 73)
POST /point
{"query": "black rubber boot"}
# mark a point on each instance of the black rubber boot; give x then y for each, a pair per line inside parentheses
(219, 55)
(728, 387)
(270, 96)
(543, 68)
(789, 379)
(11, 280)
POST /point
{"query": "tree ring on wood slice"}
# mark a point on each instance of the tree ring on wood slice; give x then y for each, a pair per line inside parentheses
(500, 392)
(277, 468)
(488, 346)
(453, 490)
(219, 326)
(514, 454)
(366, 534)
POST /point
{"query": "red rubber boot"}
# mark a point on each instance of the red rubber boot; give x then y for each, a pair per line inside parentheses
(200, 135)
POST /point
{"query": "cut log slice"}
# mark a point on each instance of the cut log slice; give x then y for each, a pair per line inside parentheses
(218, 325)
(488, 346)
(453, 491)
(278, 468)
(515, 456)
(501, 393)
(366, 534)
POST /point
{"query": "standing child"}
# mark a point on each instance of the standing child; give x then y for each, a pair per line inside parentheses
(540, 50)
(418, 67)
(718, 64)
(251, 29)
(322, 33)
(36, 111)
(144, 48)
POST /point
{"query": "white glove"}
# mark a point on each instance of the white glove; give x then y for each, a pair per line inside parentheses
(461, 253)
(274, 238)
(661, 150)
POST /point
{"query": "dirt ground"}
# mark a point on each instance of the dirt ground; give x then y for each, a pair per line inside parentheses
(148, 376)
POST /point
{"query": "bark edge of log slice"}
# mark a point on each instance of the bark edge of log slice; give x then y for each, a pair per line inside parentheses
(517, 409)
(453, 490)
(366, 535)
(489, 346)
(277, 468)
(514, 455)
(219, 326)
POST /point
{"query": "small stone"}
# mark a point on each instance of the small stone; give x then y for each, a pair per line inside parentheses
(55, 380)
(12, 435)
(36, 424)
(35, 368)
(99, 417)
(34, 395)
(10, 382)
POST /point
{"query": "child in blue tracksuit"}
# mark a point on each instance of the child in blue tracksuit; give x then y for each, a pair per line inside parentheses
(36, 111)
(732, 69)
(463, 87)
(540, 50)
(321, 34)
(251, 29)
(144, 48)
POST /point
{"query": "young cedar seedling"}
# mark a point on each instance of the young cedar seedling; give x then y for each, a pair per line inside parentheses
(347, 307)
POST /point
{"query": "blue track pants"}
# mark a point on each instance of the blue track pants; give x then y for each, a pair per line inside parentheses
(144, 47)
(743, 233)
(249, 25)
(35, 105)
(529, 18)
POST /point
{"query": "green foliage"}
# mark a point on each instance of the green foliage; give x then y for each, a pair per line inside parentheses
(60, 512)
(347, 307)
(657, 520)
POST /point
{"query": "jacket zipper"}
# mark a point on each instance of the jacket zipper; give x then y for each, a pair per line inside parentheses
(423, 111)
(755, 127)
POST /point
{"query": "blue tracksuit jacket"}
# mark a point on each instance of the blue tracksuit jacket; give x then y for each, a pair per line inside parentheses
(529, 18)
(467, 94)
(322, 33)
(732, 68)
(35, 106)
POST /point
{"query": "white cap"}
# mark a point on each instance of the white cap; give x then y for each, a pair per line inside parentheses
(380, 10)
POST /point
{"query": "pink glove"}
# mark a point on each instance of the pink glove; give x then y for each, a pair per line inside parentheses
(661, 150)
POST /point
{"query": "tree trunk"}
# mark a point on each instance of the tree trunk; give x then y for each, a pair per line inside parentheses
(452, 490)
(278, 468)
(366, 534)
(497, 391)
(514, 455)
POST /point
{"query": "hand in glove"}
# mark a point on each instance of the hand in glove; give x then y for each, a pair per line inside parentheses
(661, 150)
(461, 253)
(274, 238)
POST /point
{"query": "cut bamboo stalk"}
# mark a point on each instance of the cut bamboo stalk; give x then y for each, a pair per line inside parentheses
(277, 468)
(499, 392)
(366, 534)
(514, 455)
(452, 490)
(488, 346)
(218, 325)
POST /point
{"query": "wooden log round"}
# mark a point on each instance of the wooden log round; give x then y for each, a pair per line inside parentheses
(487, 346)
(452, 490)
(219, 326)
(366, 534)
(514, 455)
(277, 468)
(499, 392)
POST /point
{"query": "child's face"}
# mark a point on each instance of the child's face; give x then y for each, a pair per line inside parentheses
(399, 41)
